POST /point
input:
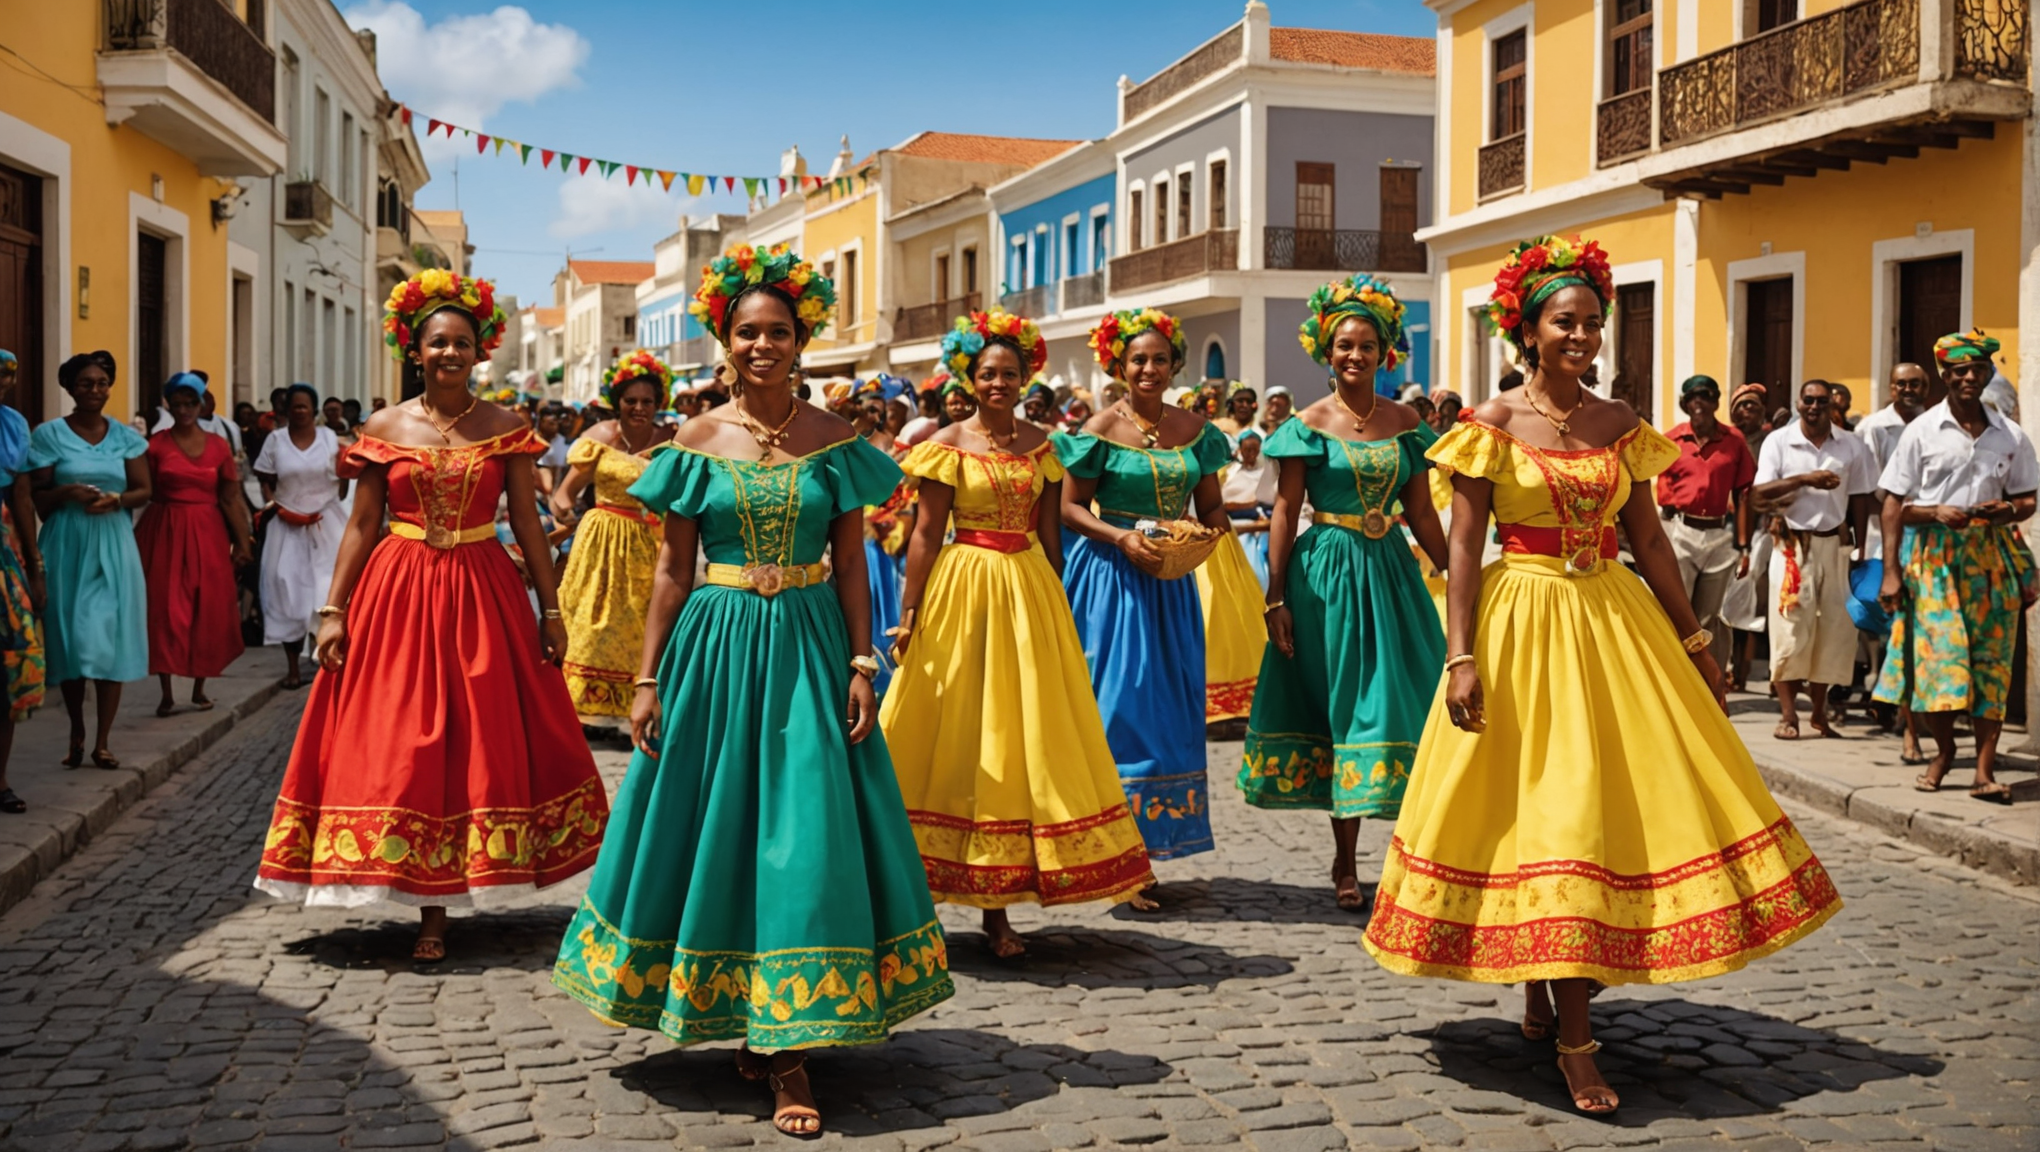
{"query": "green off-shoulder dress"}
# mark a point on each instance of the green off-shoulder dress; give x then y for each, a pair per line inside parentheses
(759, 880)
(1335, 727)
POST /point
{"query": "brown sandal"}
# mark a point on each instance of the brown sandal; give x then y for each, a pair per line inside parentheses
(429, 949)
(1535, 1029)
(793, 1119)
(1587, 1101)
(752, 1066)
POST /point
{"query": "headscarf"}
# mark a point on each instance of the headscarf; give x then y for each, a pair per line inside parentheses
(957, 386)
(13, 432)
(1762, 394)
(1359, 295)
(1040, 388)
(1537, 268)
(1957, 347)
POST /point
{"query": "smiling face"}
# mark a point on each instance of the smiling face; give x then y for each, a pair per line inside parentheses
(1966, 379)
(1567, 335)
(764, 341)
(182, 404)
(997, 379)
(1356, 352)
(90, 389)
(638, 403)
(447, 349)
(1816, 407)
(1909, 389)
(1150, 364)
(958, 406)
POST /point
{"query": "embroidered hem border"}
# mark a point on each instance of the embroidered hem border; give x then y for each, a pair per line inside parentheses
(423, 854)
(791, 998)
(994, 863)
(1289, 770)
(599, 691)
(1232, 700)
(1716, 941)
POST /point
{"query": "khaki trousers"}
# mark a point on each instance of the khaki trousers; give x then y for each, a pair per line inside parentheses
(1707, 559)
(1816, 641)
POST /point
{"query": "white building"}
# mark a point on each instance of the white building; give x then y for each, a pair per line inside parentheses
(600, 298)
(664, 325)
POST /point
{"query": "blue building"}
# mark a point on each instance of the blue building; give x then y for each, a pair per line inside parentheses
(1055, 236)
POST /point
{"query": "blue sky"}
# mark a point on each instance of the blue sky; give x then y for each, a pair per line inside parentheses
(726, 87)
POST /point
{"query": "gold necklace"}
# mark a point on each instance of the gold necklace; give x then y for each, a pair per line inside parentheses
(986, 435)
(623, 434)
(1150, 434)
(449, 426)
(1561, 424)
(767, 438)
(1359, 421)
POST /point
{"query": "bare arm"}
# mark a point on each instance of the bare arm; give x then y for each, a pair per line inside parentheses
(1049, 530)
(1471, 498)
(1659, 567)
(520, 481)
(1281, 543)
(1078, 492)
(267, 480)
(672, 580)
(1210, 499)
(1422, 517)
(569, 490)
(234, 506)
(923, 544)
(140, 486)
(853, 592)
(364, 528)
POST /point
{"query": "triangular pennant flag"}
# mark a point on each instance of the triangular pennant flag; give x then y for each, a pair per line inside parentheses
(630, 175)
(431, 126)
(729, 183)
(407, 114)
(782, 185)
(499, 145)
(524, 153)
(545, 157)
(666, 180)
(584, 165)
(750, 188)
(464, 132)
(481, 143)
(608, 167)
(694, 183)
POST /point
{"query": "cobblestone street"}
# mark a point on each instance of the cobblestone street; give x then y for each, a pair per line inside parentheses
(150, 999)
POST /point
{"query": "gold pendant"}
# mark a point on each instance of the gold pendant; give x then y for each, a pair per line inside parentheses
(440, 536)
(1375, 526)
(1584, 562)
(1564, 429)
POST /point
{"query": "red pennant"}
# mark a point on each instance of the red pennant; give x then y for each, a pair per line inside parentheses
(481, 142)
(545, 157)
(730, 183)
(407, 116)
(782, 185)
(432, 126)
(629, 175)
(584, 165)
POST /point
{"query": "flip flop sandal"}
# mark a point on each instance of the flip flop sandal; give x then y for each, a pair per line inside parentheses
(202, 705)
(1992, 793)
(103, 759)
(11, 803)
(1925, 783)
(163, 711)
(1785, 732)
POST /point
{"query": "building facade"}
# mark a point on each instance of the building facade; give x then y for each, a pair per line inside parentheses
(664, 324)
(600, 301)
(1054, 226)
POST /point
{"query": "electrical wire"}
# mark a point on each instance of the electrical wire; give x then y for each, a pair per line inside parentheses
(83, 92)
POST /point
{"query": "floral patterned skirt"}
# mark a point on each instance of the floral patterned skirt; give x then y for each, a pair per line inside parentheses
(21, 639)
(1952, 642)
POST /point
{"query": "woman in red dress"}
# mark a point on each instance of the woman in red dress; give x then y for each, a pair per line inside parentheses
(440, 761)
(194, 605)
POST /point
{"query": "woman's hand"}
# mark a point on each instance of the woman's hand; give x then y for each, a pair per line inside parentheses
(1135, 548)
(241, 554)
(1951, 516)
(862, 713)
(100, 503)
(552, 637)
(38, 591)
(1703, 662)
(903, 634)
(1887, 590)
(1464, 702)
(1281, 630)
(644, 721)
(330, 649)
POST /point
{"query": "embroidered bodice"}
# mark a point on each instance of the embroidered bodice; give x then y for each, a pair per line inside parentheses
(996, 491)
(1579, 490)
(751, 513)
(449, 488)
(615, 471)
(175, 478)
(1352, 477)
(1141, 483)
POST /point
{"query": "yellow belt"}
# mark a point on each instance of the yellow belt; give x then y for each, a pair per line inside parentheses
(442, 537)
(767, 579)
(1374, 525)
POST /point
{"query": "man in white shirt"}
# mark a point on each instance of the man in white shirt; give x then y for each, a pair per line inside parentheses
(1879, 432)
(1962, 476)
(1819, 479)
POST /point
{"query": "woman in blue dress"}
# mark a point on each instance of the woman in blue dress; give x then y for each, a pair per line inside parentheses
(1144, 637)
(88, 472)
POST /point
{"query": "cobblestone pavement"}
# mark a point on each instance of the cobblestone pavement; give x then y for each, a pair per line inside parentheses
(150, 1000)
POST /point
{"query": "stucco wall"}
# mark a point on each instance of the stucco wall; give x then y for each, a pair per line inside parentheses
(1356, 144)
(1193, 145)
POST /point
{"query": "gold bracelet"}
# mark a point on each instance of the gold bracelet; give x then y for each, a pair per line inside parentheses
(1456, 661)
(1697, 641)
(331, 610)
(550, 614)
(651, 682)
(1271, 607)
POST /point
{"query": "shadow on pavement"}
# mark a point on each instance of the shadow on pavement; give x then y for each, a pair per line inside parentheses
(525, 939)
(1673, 1058)
(1107, 957)
(921, 1078)
(1233, 898)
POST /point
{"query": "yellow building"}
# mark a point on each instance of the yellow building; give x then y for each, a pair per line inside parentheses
(1788, 189)
(123, 126)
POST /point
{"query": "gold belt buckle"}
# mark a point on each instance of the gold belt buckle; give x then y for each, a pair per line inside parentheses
(766, 580)
(1584, 561)
(1375, 525)
(441, 537)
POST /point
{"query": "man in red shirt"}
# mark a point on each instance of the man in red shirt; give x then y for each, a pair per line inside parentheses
(1703, 497)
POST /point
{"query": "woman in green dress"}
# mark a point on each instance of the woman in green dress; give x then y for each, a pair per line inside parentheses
(759, 881)
(1354, 651)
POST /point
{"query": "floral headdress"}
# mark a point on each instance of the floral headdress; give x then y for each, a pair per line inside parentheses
(429, 291)
(937, 382)
(637, 364)
(1537, 268)
(780, 267)
(973, 330)
(1359, 295)
(1118, 329)
(1956, 347)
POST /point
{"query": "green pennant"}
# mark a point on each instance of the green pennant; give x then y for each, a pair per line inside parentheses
(750, 188)
(566, 159)
(608, 167)
(524, 151)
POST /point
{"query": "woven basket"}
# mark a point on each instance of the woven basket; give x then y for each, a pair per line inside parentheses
(1186, 546)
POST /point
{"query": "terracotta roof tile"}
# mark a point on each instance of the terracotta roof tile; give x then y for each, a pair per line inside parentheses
(1409, 54)
(984, 149)
(612, 271)
(549, 317)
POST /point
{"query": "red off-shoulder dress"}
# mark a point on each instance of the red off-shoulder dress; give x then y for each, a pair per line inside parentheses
(443, 764)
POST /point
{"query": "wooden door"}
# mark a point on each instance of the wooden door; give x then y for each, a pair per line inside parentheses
(1315, 216)
(1767, 353)
(1929, 307)
(21, 287)
(149, 370)
(1636, 348)
(1400, 251)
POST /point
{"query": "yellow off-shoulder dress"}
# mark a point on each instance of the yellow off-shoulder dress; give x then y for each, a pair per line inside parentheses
(1609, 823)
(1235, 635)
(607, 582)
(1002, 760)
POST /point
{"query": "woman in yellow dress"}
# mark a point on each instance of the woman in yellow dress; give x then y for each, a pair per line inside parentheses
(1581, 809)
(1001, 755)
(608, 575)
(1235, 634)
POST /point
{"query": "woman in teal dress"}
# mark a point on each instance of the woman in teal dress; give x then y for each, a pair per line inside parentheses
(759, 880)
(88, 472)
(1144, 637)
(1354, 651)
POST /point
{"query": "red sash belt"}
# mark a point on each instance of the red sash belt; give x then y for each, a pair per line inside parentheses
(1535, 541)
(640, 515)
(299, 519)
(996, 541)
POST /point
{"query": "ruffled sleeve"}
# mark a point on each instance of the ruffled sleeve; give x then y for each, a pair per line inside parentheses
(1647, 452)
(937, 462)
(1294, 440)
(1212, 450)
(1082, 454)
(127, 443)
(521, 443)
(1415, 443)
(1470, 449)
(859, 474)
(355, 458)
(43, 448)
(676, 481)
(1048, 465)
(585, 452)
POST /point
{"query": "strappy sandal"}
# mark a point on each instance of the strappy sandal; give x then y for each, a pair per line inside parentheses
(76, 758)
(752, 1066)
(429, 949)
(11, 803)
(201, 704)
(1925, 782)
(792, 1119)
(104, 759)
(1534, 1029)
(1584, 1100)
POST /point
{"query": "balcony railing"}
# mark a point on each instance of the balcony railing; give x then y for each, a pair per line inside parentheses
(307, 205)
(1086, 291)
(205, 32)
(1993, 39)
(1222, 50)
(1852, 49)
(1622, 126)
(1501, 166)
(928, 321)
(1032, 303)
(1177, 260)
(1343, 250)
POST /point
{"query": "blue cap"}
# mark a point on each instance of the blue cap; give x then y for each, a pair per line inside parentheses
(191, 380)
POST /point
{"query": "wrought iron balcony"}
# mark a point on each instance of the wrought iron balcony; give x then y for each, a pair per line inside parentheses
(307, 208)
(1343, 250)
(1501, 166)
(208, 34)
(1622, 126)
(929, 321)
(1214, 251)
(1034, 303)
(192, 75)
(1086, 291)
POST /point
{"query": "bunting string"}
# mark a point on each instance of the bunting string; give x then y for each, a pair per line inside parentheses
(696, 183)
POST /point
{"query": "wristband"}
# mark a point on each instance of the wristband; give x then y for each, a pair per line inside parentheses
(1697, 642)
(1457, 661)
(331, 610)
(1271, 607)
(651, 682)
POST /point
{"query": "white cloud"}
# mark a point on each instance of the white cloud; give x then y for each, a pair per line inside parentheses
(465, 68)
(590, 204)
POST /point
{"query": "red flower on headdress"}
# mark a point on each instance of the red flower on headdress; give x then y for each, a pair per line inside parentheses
(1535, 258)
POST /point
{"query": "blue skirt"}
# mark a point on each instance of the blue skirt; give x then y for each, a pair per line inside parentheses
(887, 576)
(1144, 641)
(1255, 544)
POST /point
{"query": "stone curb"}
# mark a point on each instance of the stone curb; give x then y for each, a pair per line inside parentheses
(1972, 847)
(19, 876)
